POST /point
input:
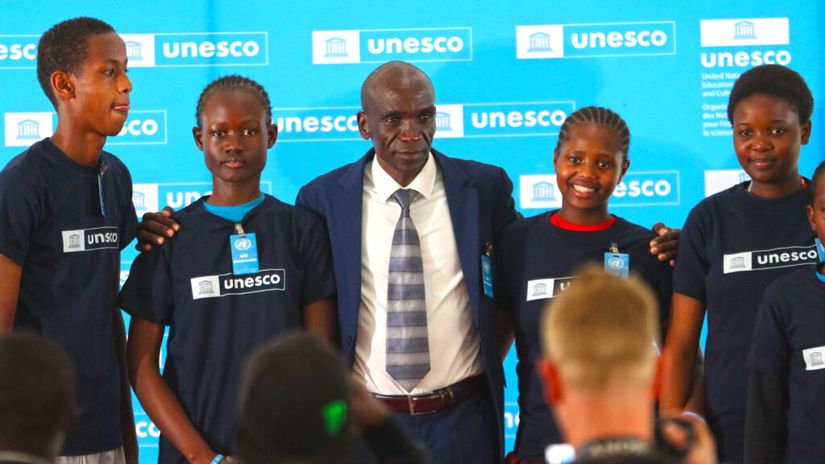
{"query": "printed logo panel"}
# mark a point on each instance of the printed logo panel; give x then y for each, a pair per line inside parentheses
(212, 49)
(648, 188)
(814, 358)
(759, 260)
(144, 127)
(140, 50)
(320, 124)
(596, 40)
(518, 119)
(723, 179)
(98, 238)
(744, 32)
(217, 286)
(539, 192)
(381, 45)
(542, 289)
(23, 129)
(18, 51)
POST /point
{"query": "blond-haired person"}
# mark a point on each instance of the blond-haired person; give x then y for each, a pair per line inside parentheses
(602, 373)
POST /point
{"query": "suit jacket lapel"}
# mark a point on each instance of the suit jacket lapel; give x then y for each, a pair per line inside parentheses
(348, 214)
(462, 200)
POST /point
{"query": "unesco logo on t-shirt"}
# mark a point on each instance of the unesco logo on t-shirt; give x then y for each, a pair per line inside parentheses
(216, 286)
(98, 238)
(759, 260)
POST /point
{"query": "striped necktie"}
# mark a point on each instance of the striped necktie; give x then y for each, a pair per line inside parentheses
(408, 350)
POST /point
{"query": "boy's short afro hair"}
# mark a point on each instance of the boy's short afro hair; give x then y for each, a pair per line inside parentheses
(64, 47)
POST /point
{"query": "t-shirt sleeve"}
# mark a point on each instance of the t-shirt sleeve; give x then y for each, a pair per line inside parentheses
(128, 224)
(314, 256)
(691, 262)
(147, 293)
(769, 351)
(20, 214)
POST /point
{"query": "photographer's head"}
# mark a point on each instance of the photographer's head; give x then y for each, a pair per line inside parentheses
(600, 358)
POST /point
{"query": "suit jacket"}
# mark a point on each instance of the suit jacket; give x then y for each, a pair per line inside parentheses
(479, 197)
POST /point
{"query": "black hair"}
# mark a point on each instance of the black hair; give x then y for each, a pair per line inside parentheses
(293, 404)
(776, 81)
(64, 47)
(817, 175)
(37, 393)
(233, 82)
(596, 115)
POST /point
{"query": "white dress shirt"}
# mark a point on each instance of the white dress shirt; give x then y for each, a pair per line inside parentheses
(454, 341)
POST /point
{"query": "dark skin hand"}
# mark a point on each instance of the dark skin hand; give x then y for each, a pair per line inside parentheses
(665, 246)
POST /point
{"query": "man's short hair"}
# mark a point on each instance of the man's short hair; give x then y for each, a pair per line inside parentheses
(600, 333)
(64, 47)
(37, 393)
(293, 404)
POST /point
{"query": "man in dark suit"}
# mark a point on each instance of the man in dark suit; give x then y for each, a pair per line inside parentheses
(421, 336)
(37, 401)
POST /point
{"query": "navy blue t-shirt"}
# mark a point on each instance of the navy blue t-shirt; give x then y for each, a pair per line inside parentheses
(534, 262)
(732, 246)
(52, 226)
(789, 342)
(217, 318)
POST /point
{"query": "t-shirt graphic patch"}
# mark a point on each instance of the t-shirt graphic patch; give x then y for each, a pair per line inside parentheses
(98, 238)
(814, 358)
(541, 289)
(216, 286)
(759, 260)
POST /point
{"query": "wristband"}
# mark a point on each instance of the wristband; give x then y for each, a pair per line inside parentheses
(694, 415)
(218, 458)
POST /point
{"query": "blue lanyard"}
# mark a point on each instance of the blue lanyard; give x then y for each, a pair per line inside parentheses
(101, 170)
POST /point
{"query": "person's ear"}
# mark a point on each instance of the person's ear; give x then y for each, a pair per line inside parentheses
(197, 134)
(549, 375)
(272, 135)
(62, 83)
(363, 125)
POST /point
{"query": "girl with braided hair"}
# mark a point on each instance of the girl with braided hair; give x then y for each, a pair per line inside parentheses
(243, 268)
(537, 257)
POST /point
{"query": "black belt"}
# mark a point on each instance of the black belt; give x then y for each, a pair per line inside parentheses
(436, 401)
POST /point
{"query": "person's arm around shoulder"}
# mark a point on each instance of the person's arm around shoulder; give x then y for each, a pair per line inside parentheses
(10, 274)
(157, 398)
(155, 228)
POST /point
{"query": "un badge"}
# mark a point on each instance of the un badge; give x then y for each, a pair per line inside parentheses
(242, 244)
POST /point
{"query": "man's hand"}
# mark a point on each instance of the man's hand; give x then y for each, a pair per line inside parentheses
(666, 245)
(691, 436)
(154, 227)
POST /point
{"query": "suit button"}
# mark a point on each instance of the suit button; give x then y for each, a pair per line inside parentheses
(349, 340)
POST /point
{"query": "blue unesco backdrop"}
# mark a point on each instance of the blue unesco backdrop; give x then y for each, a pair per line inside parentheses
(506, 76)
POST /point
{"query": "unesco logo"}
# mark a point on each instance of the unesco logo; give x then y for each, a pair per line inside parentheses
(23, 129)
(745, 32)
(149, 198)
(596, 40)
(194, 49)
(381, 45)
(18, 51)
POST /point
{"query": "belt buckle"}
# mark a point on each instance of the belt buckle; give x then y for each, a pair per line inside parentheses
(412, 401)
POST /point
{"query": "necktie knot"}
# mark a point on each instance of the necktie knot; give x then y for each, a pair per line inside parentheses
(404, 197)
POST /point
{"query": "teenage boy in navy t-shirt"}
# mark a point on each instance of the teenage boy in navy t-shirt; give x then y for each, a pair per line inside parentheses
(65, 213)
(785, 410)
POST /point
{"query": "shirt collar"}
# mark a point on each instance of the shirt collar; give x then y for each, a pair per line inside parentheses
(423, 183)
